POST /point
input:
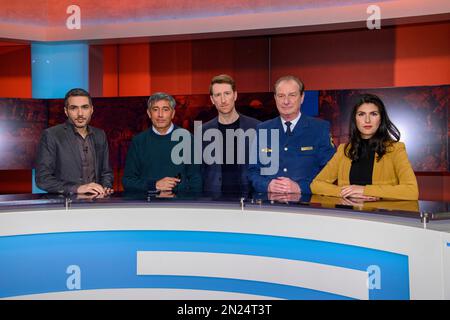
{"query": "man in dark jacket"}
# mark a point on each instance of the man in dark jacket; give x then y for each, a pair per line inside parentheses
(73, 157)
(229, 176)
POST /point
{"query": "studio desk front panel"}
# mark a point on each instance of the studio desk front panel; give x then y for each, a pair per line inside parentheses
(219, 250)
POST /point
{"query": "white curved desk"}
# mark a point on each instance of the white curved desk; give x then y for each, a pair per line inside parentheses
(220, 251)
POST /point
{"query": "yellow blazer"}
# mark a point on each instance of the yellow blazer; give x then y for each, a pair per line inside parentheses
(392, 177)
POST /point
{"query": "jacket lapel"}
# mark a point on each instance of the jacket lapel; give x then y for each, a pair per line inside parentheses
(281, 133)
(94, 151)
(344, 179)
(379, 170)
(71, 139)
(301, 124)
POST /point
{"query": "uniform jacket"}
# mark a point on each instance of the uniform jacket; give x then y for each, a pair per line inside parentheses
(301, 155)
(392, 177)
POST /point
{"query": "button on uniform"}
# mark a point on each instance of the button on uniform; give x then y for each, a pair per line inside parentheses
(285, 169)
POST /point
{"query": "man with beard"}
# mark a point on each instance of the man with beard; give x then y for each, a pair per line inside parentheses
(73, 157)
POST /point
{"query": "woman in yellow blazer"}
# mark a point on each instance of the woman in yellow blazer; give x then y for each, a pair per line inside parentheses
(373, 164)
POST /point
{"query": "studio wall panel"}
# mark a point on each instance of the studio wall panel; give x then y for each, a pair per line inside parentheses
(186, 67)
(252, 65)
(134, 69)
(58, 67)
(15, 181)
(21, 125)
(15, 71)
(171, 67)
(210, 58)
(96, 70)
(422, 55)
(336, 60)
(358, 58)
(433, 187)
(111, 71)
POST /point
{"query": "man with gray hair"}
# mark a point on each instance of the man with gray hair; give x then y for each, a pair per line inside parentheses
(149, 165)
(304, 144)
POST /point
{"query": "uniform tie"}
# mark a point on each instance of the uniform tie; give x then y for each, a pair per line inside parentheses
(288, 128)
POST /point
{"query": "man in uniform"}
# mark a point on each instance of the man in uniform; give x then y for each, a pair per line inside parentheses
(304, 145)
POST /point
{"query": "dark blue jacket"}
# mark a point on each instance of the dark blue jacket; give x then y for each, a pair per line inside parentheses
(301, 155)
(212, 174)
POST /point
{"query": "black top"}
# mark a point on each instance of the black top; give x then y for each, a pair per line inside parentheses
(231, 176)
(87, 157)
(361, 170)
(86, 149)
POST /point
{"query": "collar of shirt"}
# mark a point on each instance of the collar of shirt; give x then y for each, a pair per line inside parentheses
(168, 131)
(293, 122)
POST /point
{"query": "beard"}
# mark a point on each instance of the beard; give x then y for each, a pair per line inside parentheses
(78, 125)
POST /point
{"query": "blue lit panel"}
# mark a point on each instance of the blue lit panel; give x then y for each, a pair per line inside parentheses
(58, 67)
(310, 104)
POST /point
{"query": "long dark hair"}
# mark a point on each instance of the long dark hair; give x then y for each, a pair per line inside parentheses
(386, 134)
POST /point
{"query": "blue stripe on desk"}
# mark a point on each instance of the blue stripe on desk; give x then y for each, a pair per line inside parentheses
(32, 264)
